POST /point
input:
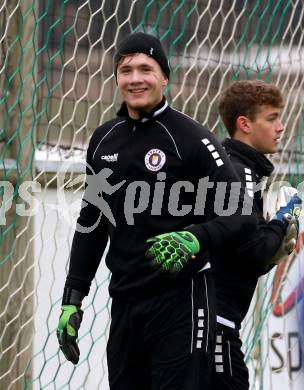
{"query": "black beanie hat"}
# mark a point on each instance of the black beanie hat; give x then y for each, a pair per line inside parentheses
(142, 43)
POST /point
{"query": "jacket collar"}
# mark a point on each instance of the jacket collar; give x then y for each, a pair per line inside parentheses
(250, 157)
(145, 116)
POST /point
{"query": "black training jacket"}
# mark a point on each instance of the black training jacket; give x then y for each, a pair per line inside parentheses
(152, 162)
(237, 269)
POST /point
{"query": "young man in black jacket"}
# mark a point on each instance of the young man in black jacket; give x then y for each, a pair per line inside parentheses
(250, 111)
(151, 190)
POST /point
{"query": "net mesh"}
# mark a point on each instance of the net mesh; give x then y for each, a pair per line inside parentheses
(57, 84)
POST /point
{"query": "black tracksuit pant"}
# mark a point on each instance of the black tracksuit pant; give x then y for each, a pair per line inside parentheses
(230, 371)
(165, 342)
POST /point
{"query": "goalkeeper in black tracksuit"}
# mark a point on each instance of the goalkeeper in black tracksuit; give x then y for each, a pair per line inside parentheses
(152, 174)
(250, 111)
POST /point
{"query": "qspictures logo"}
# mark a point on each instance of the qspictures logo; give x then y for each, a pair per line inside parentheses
(137, 196)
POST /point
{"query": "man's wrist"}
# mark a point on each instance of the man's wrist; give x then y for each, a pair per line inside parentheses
(72, 296)
(197, 243)
(281, 225)
(200, 233)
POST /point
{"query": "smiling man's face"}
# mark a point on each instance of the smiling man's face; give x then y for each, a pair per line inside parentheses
(141, 82)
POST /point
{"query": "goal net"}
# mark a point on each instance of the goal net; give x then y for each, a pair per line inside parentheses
(57, 86)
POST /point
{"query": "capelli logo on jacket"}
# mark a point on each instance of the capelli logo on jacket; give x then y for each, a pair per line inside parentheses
(110, 157)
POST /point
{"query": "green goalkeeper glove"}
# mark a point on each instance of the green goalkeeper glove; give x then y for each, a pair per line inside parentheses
(172, 251)
(67, 331)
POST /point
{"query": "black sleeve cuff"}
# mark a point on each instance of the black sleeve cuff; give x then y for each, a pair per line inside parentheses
(223, 230)
(278, 226)
(201, 233)
(72, 297)
(75, 289)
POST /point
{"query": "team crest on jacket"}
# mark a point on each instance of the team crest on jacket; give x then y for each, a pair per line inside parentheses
(155, 159)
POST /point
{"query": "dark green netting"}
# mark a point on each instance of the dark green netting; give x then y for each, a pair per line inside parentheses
(57, 86)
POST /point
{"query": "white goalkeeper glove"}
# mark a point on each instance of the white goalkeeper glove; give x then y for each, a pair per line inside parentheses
(289, 215)
(289, 241)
